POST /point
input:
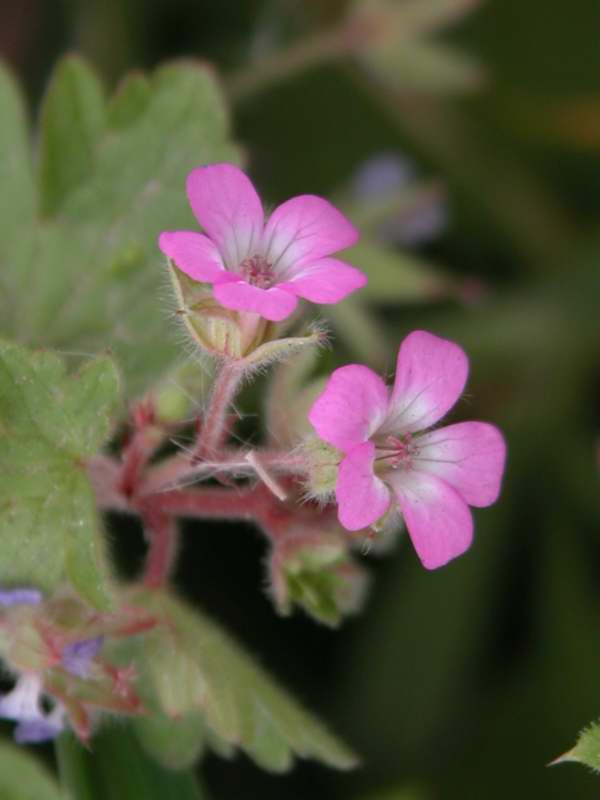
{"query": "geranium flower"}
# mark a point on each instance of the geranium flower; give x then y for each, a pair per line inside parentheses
(258, 267)
(434, 476)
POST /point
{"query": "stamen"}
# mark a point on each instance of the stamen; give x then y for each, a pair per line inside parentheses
(257, 271)
(397, 451)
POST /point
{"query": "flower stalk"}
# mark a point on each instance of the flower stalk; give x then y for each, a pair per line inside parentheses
(163, 534)
(214, 424)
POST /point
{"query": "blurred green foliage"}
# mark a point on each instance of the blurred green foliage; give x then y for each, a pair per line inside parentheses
(50, 422)
(23, 778)
(108, 174)
(465, 682)
(191, 663)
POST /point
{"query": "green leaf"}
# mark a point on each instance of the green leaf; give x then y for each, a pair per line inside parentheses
(393, 277)
(173, 673)
(401, 52)
(49, 423)
(175, 742)
(290, 397)
(116, 768)
(242, 705)
(396, 277)
(422, 66)
(17, 196)
(587, 749)
(361, 332)
(402, 793)
(180, 391)
(419, 17)
(129, 101)
(92, 277)
(22, 777)
(73, 111)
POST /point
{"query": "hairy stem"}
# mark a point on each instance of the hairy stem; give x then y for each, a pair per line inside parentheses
(178, 470)
(163, 534)
(213, 503)
(215, 419)
(135, 458)
(105, 476)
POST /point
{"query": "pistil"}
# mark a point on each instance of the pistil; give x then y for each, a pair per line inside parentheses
(396, 451)
(257, 271)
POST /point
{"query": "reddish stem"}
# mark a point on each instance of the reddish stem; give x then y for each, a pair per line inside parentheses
(217, 503)
(135, 458)
(105, 475)
(215, 420)
(130, 486)
(178, 469)
(138, 451)
(164, 539)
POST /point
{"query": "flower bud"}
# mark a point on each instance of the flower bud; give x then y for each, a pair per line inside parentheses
(315, 571)
(240, 336)
(216, 330)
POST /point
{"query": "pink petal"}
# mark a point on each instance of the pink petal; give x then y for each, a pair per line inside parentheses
(193, 253)
(430, 376)
(350, 408)
(228, 208)
(326, 281)
(272, 304)
(437, 518)
(361, 496)
(303, 229)
(469, 456)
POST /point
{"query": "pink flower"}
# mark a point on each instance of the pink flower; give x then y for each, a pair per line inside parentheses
(258, 267)
(435, 475)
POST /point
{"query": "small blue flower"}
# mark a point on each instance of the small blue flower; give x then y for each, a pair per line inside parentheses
(42, 729)
(21, 596)
(77, 657)
(382, 176)
(386, 175)
(23, 705)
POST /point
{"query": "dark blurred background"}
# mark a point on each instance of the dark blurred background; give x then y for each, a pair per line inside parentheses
(465, 682)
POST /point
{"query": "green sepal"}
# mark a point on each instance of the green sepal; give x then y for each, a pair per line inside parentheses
(316, 572)
(215, 330)
(323, 462)
(247, 338)
(283, 348)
